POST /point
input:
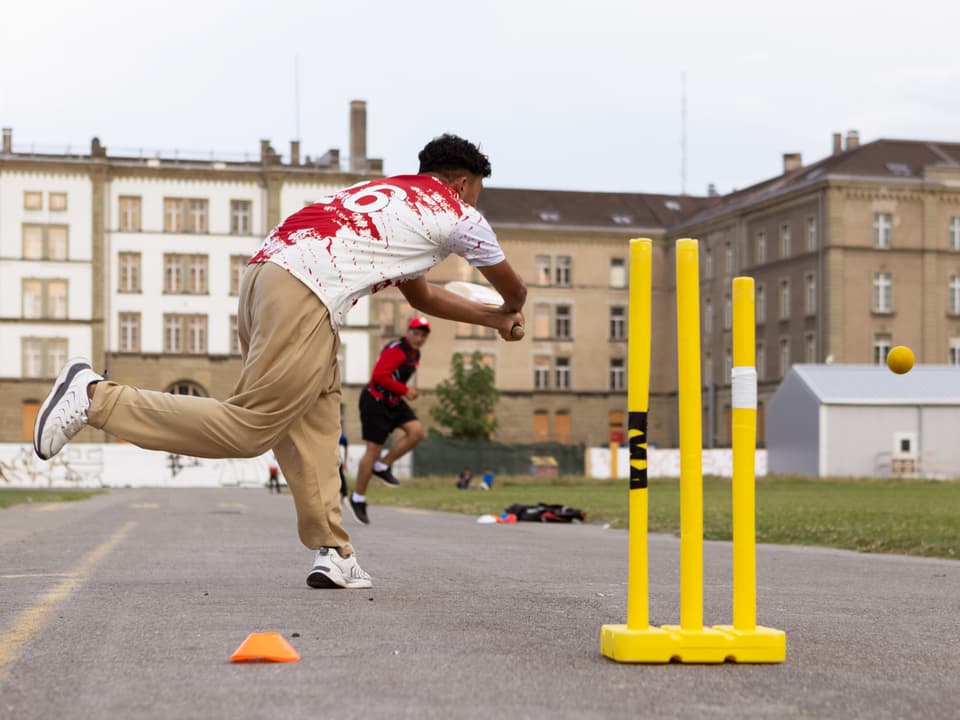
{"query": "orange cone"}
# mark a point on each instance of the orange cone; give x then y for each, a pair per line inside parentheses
(265, 647)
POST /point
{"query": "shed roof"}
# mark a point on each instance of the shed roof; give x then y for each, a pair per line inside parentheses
(877, 385)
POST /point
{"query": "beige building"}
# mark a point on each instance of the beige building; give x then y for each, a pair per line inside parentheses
(851, 254)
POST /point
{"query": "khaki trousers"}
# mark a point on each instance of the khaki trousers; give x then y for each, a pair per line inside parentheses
(287, 399)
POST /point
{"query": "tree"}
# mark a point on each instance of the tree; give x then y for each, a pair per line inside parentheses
(465, 400)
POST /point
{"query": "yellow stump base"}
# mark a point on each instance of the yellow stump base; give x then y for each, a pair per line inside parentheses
(670, 643)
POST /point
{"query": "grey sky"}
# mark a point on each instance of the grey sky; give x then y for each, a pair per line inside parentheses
(569, 95)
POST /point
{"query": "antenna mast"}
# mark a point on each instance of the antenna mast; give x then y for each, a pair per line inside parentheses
(683, 133)
(296, 92)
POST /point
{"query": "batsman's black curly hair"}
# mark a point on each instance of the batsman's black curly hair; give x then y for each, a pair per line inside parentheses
(449, 153)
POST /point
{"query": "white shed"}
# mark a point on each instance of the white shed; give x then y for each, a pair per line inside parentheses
(864, 420)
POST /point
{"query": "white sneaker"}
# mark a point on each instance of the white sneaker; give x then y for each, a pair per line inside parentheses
(332, 571)
(64, 412)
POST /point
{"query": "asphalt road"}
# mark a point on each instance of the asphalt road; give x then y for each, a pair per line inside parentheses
(130, 604)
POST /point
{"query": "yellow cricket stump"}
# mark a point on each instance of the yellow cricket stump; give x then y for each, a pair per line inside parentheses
(690, 641)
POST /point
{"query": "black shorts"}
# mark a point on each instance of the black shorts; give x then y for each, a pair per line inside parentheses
(379, 419)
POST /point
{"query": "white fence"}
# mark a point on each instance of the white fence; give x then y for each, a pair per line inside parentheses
(663, 462)
(93, 465)
(90, 465)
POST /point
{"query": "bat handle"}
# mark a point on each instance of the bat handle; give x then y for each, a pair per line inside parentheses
(516, 332)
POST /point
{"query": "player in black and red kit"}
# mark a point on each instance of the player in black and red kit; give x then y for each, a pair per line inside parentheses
(383, 409)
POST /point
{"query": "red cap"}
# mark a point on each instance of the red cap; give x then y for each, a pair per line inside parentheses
(420, 323)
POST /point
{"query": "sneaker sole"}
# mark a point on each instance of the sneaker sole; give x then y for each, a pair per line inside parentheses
(60, 386)
(388, 483)
(317, 579)
(358, 585)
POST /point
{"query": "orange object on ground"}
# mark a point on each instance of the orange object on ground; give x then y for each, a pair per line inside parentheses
(265, 647)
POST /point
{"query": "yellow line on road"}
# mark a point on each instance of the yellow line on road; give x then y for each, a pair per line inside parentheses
(31, 621)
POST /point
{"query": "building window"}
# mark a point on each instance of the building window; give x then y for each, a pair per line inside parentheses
(728, 258)
(130, 211)
(561, 427)
(543, 266)
(185, 334)
(240, 223)
(955, 233)
(761, 247)
(238, 263)
(44, 242)
(761, 305)
(197, 216)
(563, 268)
(727, 366)
(541, 426)
(185, 387)
(707, 369)
(29, 410)
(32, 200)
(185, 215)
(810, 295)
(707, 263)
(616, 431)
(812, 241)
(173, 214)
(784, 356)
(882, 292)
(882, 228)
(618, 322)
(953, 352)
(44, 299)
(128, 325)
(541, 372)
(784, 299)
(761, 361)
(541, 321)
(953, 303)
(708, 317)
(618, 375)
(562, 373)
(562, 322)
(128, 272)
(43, 357)
(185, 274)
(786, 240)
(58, 201)
(235, 342)
(618, 272)
(881, 348)
(810, 345)
(727, 312)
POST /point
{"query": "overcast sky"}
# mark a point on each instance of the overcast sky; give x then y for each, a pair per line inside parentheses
(566, 95)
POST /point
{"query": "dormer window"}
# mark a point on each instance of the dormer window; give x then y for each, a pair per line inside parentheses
(621, 219)
(549, 215)
(672, 205)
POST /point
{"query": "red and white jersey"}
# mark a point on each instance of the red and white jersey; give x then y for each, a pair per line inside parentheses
(375, 234)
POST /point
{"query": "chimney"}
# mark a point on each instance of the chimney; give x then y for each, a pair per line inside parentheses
(7, 141)
(712, 190)
(358, 136)
(837, 143)
(294, 152)
(853, 139)
(791, 162)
